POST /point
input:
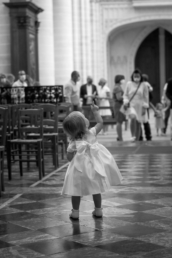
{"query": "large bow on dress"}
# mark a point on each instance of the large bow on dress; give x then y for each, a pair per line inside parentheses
(87, 157)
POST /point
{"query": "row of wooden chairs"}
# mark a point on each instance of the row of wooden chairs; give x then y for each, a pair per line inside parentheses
(32, 130)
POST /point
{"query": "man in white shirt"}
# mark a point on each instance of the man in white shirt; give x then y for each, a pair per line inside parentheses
(21, 82)
(71, 90)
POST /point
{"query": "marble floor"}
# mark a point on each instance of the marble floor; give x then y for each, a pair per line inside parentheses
(137, 221)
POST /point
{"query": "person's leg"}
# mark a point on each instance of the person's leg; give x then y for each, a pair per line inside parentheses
(138, 130)
(171, 123)
(75, 205)
(167, 115)
(119, 131)
(133, 126)
(97, 198)
(147, 131)
(76, 202)
(141, 134)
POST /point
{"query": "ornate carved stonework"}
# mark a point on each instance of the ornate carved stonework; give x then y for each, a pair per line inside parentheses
(24, 21)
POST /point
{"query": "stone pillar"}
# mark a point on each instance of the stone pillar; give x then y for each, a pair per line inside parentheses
(63, 41)
(77, 49)
(5, 43)
(24, 29)
(46, 43)
(96, 39)
(162, 59)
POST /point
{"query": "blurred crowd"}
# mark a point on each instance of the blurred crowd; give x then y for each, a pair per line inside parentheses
(127, 101)
(23, 80)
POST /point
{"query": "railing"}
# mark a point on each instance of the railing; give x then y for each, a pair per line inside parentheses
(38, 94)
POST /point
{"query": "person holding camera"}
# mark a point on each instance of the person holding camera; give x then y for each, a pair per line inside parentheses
(136, 103)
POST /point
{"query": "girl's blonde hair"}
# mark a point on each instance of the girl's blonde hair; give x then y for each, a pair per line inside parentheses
(75, 125)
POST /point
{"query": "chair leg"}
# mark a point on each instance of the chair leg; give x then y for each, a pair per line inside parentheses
(40, 160)
(55, 151)
(9, 159)
(28, 157)
(2, 172)
(20, 160)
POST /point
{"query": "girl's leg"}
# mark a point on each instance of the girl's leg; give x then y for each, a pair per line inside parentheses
(97, 198)
(119, 131)
(98, 203)
(133, 126)
(75, 204)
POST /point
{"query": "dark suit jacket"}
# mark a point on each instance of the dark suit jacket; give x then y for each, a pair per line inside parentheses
(83, 92)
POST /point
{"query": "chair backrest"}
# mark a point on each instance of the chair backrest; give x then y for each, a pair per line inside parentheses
(30, 121)
(64, 110)
(15, 113)
(50, 120)
(3, 125)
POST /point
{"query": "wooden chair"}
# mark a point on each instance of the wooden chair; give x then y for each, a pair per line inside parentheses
(29, 121)
(64, 110)
(3, 132)
(50, 131)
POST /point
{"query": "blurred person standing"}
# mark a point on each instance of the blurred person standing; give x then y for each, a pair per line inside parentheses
(136, 102)
(104, 96)
(3, 81)
(21, 82)
(71, 91)
(10, 78)
(169, 96)
(166, 104)
(118, 102)
(146, 123)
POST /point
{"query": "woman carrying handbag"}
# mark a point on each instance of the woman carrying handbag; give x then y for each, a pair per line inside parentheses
(136, 102)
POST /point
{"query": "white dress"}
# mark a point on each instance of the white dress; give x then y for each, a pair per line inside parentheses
(93, 169)
(140, 100)
(104, 102)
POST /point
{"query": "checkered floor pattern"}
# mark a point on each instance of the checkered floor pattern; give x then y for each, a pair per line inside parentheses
(137, 220)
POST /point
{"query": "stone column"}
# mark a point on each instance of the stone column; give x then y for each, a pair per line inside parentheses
(5, 43)
(162, 59)
(46, 43)
(77, 49)
(63, 41)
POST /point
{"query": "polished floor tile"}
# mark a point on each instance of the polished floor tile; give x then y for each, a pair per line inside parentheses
(9, 228)
(137, 221)
(67, 230)
(129, 247)
(53, 246)
(17, 252)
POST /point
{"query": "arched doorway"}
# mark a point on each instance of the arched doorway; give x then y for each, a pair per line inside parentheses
(154, 58)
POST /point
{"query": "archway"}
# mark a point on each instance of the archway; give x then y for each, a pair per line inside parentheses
(153, 58)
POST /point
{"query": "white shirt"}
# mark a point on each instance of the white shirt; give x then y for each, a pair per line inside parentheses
(71, 92)
(20, 84)
(104, 102)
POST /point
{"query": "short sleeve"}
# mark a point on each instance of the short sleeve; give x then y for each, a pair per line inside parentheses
(107, 89)
(93, 131)
(71, 146)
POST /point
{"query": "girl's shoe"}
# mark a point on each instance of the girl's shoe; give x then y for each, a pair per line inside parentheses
(74, 214)
(98, 213)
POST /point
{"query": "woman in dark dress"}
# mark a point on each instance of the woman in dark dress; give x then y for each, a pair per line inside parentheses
(118, 102)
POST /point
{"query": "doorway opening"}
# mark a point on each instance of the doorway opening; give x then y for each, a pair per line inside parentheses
(153, 58)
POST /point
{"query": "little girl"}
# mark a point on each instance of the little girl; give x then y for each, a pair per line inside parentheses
(159, 117)
(92, 169)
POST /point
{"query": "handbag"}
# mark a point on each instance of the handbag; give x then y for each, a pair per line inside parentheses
(124, 108)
